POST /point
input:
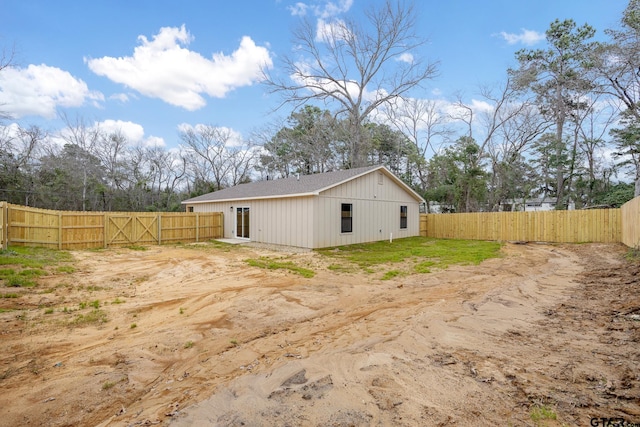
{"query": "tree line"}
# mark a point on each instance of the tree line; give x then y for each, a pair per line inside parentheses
(565, 123)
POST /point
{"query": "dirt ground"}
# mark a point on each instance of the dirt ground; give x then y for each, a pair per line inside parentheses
(193, 336)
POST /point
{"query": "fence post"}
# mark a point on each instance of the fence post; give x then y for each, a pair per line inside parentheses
(4, 224)
(197, 227)
(106, 228)
(59, 230)
(159, 228)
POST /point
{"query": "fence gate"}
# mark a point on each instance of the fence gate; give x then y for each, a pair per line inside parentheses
(127, 229)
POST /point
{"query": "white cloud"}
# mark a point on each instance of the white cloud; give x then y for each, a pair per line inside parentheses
(122, 97)
(330, 32)
(133, 132)
(163, 68)
(334, 8)
(40, 89)
(322, 9)
(405, 57)
(481, 106)
(299, 9)
(526, 37)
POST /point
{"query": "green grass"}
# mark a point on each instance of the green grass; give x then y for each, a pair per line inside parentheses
(279, 264)
(33, 257)
(95, 316)
(19, 282)
(25, 264)
(210, 245)
(391, 274)
(424, 254)
(541, 413)
(10, 295)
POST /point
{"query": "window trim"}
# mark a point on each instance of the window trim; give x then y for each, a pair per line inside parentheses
(349, 218)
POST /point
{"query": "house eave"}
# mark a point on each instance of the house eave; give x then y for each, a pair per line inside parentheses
(235, 199)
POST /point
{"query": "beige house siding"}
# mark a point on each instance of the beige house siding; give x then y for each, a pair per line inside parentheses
(376, 212)
(282, 221)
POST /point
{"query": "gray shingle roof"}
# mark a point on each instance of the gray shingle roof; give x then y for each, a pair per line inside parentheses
(287, 187)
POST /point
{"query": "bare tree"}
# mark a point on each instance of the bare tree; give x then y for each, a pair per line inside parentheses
(617, 64)
(358, 67)
(7, 57)
(214, 148)
(86, 138)
(424, 126)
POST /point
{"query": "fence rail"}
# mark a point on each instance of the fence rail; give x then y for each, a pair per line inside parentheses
(21, 225)
(595, 225)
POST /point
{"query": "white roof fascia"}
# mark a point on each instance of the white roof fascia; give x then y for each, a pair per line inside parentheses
(280, 196)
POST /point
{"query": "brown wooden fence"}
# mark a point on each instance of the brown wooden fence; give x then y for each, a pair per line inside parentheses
(594, 225)
(630, 215)
(27, 226)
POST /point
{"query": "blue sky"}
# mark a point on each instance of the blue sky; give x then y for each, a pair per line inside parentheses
(148, 67)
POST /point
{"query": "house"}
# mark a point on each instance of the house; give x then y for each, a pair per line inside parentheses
(541, 204)
(315, 211)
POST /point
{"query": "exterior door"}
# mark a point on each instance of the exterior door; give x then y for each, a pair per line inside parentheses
(242, 223)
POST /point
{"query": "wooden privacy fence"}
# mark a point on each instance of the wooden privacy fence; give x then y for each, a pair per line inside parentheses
(27, 226)
(594, 225)
(630, 213)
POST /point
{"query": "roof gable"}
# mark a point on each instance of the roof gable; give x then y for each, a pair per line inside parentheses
(303, 185)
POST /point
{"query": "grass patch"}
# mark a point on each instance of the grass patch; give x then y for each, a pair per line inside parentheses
(391, 274)
(339, 268)
(17, 281)
(633, 254)
(10, 295)
(210, 245)
(188, 344)
(107, 385)
(133, 326)
(117, 301)
(137, 248)
(278, 264)
(48, 311)
(425, 254)
(33, 257)
(25, 264)
(541, 413)
(95, 316)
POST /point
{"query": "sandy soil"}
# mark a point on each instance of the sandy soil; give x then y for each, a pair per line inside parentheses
(196, 337)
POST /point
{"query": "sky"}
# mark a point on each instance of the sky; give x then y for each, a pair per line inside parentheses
(148, 68)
